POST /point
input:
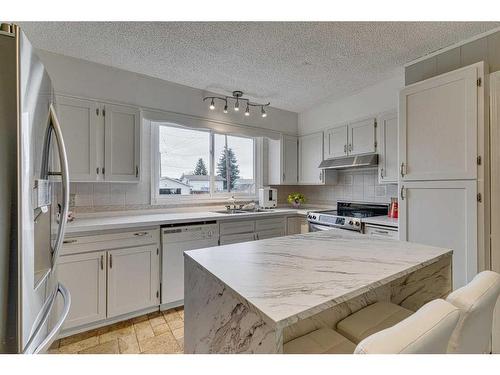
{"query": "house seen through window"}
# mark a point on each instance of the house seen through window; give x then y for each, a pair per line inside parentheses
(188, 167)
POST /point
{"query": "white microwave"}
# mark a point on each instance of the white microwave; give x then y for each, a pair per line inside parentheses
(268, 197)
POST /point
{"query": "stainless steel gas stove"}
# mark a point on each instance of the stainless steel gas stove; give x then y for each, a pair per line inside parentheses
(347, 216)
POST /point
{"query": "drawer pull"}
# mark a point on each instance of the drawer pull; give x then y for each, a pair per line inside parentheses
(102, 262)
(381, 231)
(140, 234)
(69, 241)
(110, 261)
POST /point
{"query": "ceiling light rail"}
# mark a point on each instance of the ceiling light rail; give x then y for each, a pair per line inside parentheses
(237, 97)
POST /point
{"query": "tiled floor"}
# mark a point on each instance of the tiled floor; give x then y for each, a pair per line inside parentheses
(159, 332)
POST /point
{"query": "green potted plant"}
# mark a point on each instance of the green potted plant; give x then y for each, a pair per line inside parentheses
(296, 199)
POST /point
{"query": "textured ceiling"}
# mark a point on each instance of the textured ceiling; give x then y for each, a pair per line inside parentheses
(292, 65)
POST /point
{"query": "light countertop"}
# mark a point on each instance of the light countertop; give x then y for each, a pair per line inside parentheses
(381, 220)
(294, 277)
(102, 221)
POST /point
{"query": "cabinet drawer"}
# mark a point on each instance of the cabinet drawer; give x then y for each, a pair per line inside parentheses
(234, 227)
(381, 231)
(273, 223)
(82, 244)
(236, 238)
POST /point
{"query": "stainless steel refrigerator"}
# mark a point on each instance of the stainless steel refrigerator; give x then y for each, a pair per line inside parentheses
(34, 194)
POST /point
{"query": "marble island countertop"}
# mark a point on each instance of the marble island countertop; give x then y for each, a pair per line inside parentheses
(288, 279)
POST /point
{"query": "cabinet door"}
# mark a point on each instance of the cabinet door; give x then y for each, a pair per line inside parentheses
(133, 279)
(78, 118)
(335, 142)
(388, 166)
(444, 214)
(438, 126)
(228, 239)
(292, 225)
(289, 159)
(270, 233)
(85, 277)
(362, 137)
(122, 143)
(310, 156)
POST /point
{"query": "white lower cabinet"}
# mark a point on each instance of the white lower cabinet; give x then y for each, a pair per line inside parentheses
(228, 239)
(85, 277)
(109, 275)
(133, 279)
(443, 214)
(296, 225)
(250, 230)
(381, 231)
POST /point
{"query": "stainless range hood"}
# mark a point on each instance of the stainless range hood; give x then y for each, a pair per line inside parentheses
(344, 162)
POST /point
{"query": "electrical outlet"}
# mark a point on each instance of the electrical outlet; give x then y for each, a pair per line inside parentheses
(72, 200)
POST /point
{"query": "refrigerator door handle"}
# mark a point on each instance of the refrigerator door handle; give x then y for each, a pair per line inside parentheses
(55, 330)
(63, 160)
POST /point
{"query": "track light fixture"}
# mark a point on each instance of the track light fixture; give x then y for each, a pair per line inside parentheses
(237, 96)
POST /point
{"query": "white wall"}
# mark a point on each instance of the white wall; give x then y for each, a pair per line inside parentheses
(372, 100)
(87, 79)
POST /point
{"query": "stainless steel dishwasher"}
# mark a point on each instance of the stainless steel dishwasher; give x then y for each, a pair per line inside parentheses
(175, 239)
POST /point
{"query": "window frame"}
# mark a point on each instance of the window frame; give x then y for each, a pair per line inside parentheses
(212, 197)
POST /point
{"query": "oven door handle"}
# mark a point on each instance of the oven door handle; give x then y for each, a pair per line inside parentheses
(320, 227)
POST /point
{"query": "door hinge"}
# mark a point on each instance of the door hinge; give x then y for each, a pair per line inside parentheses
(479, 197)
(479, 160)
(479, 81)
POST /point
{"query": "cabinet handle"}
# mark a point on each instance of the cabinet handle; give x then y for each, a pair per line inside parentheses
(102, 170)
(69, 241)
(345, 149)
(256, 236)
(381, 231)
(350, 147)
(97, 111)
(97, 170)
(402, 169)
(102, 262)
(401, 193)
(283, 177)
(381, 172)
(140, 234)
(321, 176)
(136, 171)
(110, 261)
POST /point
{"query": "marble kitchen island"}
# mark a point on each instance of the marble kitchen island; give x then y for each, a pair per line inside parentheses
(253, 297)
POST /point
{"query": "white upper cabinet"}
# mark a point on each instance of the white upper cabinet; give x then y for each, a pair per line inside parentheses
(283, 160)
(102, 140)
(122, 143)
(361, 137)
(350, 139)
(78, 120)
(335, 142)
(310, 156)
(388, 166)
(438, 126)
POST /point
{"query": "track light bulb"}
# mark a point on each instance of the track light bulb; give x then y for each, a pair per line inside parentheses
(247, 111)
(263, 113)
(237, 105)
(212, 105)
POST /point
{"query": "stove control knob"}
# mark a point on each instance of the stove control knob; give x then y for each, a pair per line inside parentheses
(357, 223)
(309, 216)
(314, 217)
(351, 222)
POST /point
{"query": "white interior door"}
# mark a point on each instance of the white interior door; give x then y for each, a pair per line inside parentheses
(122, 143)
(84, 275)
(362, 137)
(133, 279)
(438, 126)
(310, 156)
(336, 142)
(78, 119)
(289, 159)
(443, 214)
(388, 148)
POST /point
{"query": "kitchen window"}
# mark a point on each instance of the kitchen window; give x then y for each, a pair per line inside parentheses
(201, 164)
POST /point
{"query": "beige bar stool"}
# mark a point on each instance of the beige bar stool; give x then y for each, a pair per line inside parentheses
(321, 341)
(371, 319)
(477, 302)
(427, 331)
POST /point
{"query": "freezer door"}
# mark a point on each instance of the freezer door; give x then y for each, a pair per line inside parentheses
(43, 192)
